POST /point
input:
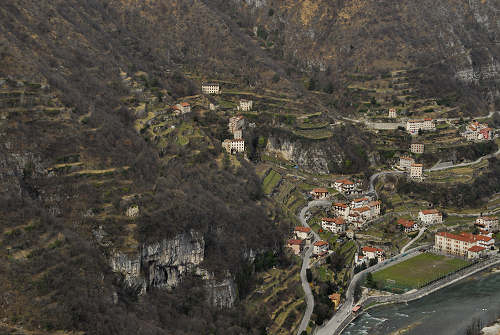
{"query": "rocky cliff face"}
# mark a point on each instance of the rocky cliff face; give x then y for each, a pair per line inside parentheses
(312, 157)
(163, 264)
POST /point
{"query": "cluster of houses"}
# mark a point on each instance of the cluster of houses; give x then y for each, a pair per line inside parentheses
(368, 254)
(469, 245)
(414, 170)
(237, 144)
(476, 131)
(357, 212)
(414, 126)
(302, 238)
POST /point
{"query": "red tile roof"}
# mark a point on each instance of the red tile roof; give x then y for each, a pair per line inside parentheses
(339, 204)
(184, 104)
(303, 229)
(374, 203)
(320, 190)
(361, 199)
(430, 211)
(338, 221)
(476, 248)
(456, 237)
(406, 223)
(320, 243)
(295, 242)
(344, 181)
(372, 249)
(362, 209)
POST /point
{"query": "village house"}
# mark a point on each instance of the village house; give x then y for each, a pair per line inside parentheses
(183, 107)
(408, 226)
(476, 252)
(234, 146)
(356, 219)
(369, 253)
(413, 126)
(320, 248)
(364, 212)
(236, 123)
(406, 162)
(464, 244)
(319, 193)
(335, 225)
(487, 223)
(374, 208)
(296, 245)
(341, 209)
(416, 171)
(344, 186)
(133, 211)
(476, 131)
(361, 202)
(392, 113)
(245, 105)
(335, 299)
(210, 88)
(302, 233)
(430, 216)
(417, 148)
(238, 134)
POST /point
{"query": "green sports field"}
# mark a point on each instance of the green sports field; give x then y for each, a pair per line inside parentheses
(417, 271)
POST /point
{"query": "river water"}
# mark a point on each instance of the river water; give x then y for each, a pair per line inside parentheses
(446, 312)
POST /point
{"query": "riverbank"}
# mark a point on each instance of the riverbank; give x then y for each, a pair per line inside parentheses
(474, 297)
(494, 329)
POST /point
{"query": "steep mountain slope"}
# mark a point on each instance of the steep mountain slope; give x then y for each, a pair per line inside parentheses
(451, 42)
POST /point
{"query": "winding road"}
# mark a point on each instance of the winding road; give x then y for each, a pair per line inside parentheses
(305, 263)
(344, 311)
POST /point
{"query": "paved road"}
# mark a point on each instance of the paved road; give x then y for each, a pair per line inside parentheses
(378, 174)
(420, 233)
(439, 168)
(305, 263)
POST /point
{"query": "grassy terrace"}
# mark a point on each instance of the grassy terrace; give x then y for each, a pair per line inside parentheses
(271, 181)
(417, 271)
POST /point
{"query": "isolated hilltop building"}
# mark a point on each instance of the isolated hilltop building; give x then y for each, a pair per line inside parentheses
(210, 88)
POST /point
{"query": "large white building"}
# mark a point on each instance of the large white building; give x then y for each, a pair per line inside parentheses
(234, 146)
(210, 88)
(465, 244)
(413, 126)
(430, 216)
